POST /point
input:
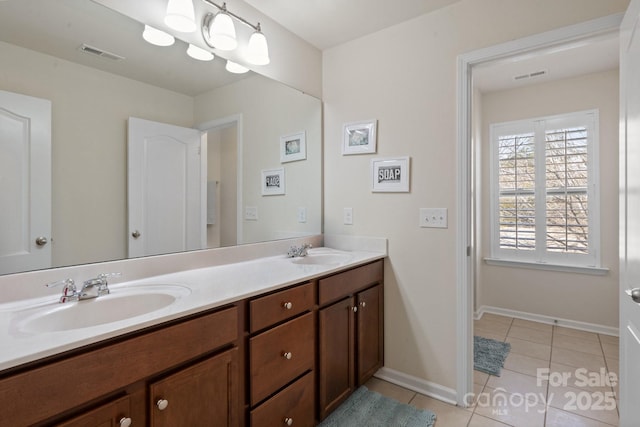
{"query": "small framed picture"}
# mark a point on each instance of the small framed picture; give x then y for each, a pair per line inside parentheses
(359, 137)
(272, 181)
(390, 175)
(293, 147)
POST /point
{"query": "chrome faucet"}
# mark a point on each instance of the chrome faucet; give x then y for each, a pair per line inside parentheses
(298, 251)
(91, 288)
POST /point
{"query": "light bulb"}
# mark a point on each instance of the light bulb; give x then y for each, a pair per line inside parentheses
(258, 50)
(157, 37)
(222, 32)
(235, 68)
(181, 16)
(198, 53)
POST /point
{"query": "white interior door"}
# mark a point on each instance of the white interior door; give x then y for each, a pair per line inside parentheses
(166, 188)
(25, 183)
(630, 217)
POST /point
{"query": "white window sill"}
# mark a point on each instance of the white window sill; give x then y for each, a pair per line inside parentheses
(596, 271)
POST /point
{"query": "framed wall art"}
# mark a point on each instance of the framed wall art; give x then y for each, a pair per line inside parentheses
(359, 137)
(272, 181)
(390, 174)
(293, 147)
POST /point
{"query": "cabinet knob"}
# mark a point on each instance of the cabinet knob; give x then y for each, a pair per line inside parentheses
(354, 309)
(125, 422)
(288, 421)
(363, 304)
(287, 355)
(287, 305)
(162, 404)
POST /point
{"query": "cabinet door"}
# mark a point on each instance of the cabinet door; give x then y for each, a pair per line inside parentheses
(370, 332)
(336, 354)
(204, 394)
(113, 414)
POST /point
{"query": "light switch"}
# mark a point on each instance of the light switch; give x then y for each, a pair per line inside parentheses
(251, 213)
(348, 216)
(302, 214)
(433, 217)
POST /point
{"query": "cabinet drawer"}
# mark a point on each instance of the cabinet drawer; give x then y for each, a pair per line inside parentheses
(280, 306)
(279, 355)
(342, 284)
(294, 403)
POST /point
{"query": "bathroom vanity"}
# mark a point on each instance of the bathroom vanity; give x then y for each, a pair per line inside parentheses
(286, 350)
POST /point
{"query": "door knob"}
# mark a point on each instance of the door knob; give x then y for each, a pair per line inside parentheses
(135, 234)
(162, 404)
(288, 421)
(634, 294)
(125, 422)
(41, 241)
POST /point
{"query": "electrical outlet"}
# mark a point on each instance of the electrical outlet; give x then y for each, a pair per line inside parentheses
(302, 214)
(348, 216)
(433, 217)
(251, 213)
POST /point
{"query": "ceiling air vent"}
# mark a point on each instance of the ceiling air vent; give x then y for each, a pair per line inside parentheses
(531, 75)
(99, 52)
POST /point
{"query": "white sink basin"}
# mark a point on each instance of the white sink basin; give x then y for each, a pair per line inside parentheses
(122, 303)
(326, 259)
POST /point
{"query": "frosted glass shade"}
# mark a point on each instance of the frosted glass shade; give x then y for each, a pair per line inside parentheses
(157, 37)
(258, 50)
(198, 53)
(181, 16)
(222, 32)
(235, 68)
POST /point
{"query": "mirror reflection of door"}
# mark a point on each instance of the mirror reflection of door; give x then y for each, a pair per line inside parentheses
(167, 175)
(25, 183)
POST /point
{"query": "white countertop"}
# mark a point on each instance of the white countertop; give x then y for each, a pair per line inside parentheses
(209, 288)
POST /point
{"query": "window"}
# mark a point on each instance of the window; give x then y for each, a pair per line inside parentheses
(543, 190)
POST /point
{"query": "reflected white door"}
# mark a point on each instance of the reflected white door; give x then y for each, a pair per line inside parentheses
(166, 188)
(630, 216)
(25, 183)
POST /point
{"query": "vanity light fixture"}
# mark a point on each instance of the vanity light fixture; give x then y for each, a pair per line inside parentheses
(181, 16)
(234, 67)
(157, 37)
(219, 32)
(198, 53)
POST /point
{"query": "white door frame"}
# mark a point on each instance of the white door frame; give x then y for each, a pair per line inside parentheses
(223, 122)
(464, 242)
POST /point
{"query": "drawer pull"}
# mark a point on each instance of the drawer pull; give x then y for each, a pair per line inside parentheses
(288, 421)
(287, 305)
(287, 355)
(354, 309)
(125, 422)
(162, 404)
(363, 304)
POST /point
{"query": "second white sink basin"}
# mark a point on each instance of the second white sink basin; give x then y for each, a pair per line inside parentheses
(122, 303)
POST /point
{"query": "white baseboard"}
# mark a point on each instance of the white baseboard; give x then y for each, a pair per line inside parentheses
(574, 324)
(418, 385)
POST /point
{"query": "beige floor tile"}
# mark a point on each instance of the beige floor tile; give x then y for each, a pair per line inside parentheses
(561, 330)
(472, 400)
(480, 421)
(497, 318)
(532, 325)
(577, 344)
(594, 405)
(531, 349)
(524, 364)
(611, 351)
(559, 418)
(515, 382)
(480, 377)
(565, 375)
(577, 359)
(390, 390)
(513, 410)
(609, 339)
(489, 334)
(446, 415)
(492, 326)
(530, 334)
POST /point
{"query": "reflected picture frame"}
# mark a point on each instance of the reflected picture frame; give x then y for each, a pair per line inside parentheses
(293, 147)
(359, 137)
(391, 175)
(272, 182)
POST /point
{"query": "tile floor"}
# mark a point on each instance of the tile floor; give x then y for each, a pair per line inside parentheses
(576, 393)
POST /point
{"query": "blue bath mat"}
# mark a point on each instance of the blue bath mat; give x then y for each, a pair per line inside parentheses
(489, 355)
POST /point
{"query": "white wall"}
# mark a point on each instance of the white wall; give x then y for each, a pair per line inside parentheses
(405, 76)
(89, 151)
(579, 297)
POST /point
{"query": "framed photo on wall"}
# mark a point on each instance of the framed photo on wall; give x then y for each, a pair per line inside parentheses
(390, 175)
(359, 137)
(272, 181)
(293, 147)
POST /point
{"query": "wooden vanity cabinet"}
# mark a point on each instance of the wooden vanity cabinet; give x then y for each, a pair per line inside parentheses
(112, 414)
(350, 333)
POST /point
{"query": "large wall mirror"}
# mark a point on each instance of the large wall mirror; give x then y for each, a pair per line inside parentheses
(92, 97)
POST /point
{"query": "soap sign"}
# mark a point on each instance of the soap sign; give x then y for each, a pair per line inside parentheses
(272, 181)
(390, 175)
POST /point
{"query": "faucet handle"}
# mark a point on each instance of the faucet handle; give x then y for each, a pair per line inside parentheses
(68, 284)
(105, 276)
